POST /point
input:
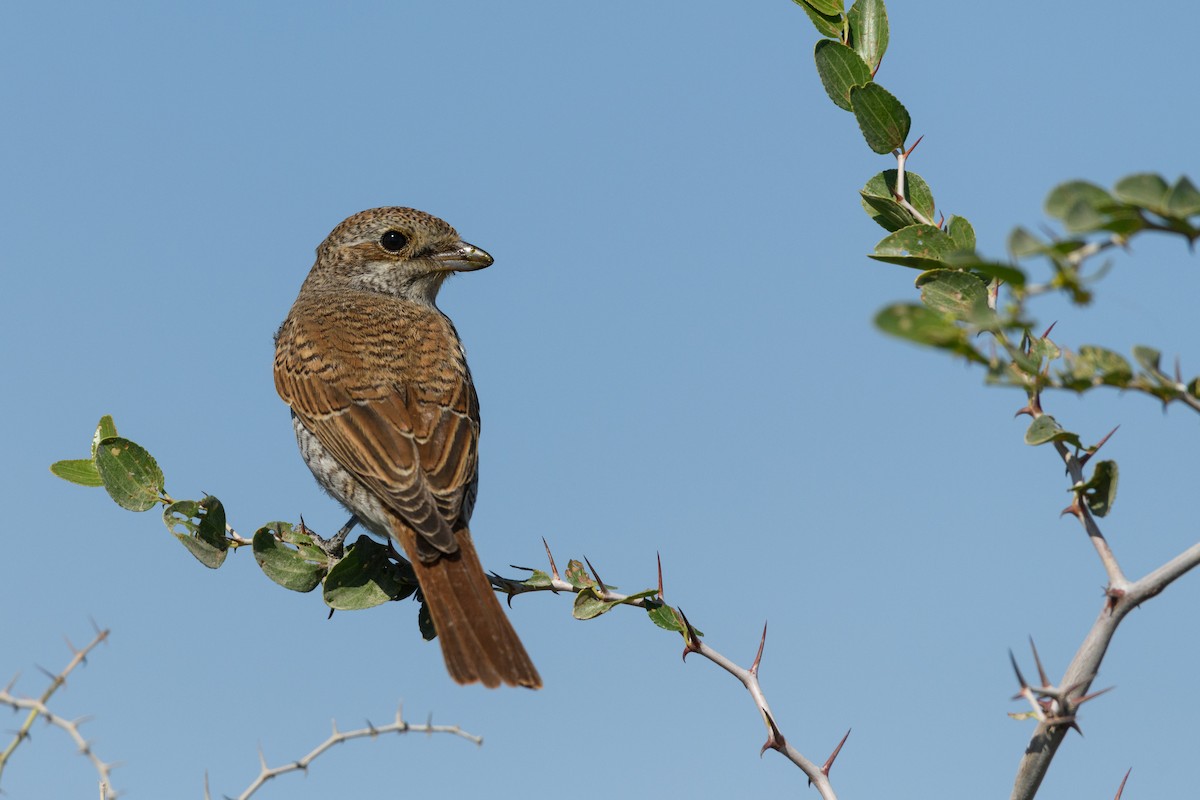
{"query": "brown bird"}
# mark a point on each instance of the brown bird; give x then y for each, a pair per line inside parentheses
(388, 421)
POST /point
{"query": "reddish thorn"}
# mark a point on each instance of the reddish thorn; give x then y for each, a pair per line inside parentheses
(690, 638)
(660, 583)
(941, 217)
(1016, 669)
(1093, 450)
(775, 740)
(758, 658)
(599, 580)
(833, 756)
(1080, 701)
(1047, 331)
(909, 151)
(1024, 410)
(1121, 790)
(1038, 661)
(1074, 510)
(553, 566)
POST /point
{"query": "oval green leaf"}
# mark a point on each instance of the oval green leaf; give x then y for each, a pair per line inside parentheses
(868, 23)
(131, 475)
(840, 69)
(883, 120)
(365, 578)
(917, 246)
(80, 470)
(203, 529)
(878, 199)
(299, 569)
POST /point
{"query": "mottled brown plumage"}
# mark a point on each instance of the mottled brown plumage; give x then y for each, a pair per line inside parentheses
(388, 421)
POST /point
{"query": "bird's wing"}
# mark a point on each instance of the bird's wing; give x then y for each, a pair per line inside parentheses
(410, 440)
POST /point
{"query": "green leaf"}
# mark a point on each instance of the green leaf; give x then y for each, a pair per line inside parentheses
(826, 24)
(1022, 244)
(959, 294)
(81, 471)
(840, 69)
(989, 270)
(589, 605)
(961, 231)
(1100, 492)
(106, 429)
(878, 199)
(577, 576)
(131, 475)
(1064, 197)
(365, 577)
(1144, 189)
(203, 525)
(664, 617)
(299, 568)
(922, 325)
(538, 580)
(1106, 366)
(1148, 358)
(1046, 429)
(883, 120)
(1183, 200)
(917, 246)
(868, 24)
(828, 8)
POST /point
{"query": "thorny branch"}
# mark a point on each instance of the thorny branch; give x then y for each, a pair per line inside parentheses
(818, 775)
(37, 708)
(398, 725)
(1055, 706)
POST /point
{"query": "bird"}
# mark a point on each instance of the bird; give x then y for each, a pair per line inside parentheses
(387, 418)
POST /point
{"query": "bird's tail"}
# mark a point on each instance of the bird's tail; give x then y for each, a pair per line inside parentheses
(478, 642)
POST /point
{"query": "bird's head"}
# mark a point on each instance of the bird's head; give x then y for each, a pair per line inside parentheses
(397, 251)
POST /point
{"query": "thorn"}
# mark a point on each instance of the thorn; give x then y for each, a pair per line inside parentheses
(1074, 510)
(758, 658)
(1016, 669)
(599, 580)
(1026, 410)
(690, 638)
(775, 740)
(833, 756)
(660, 583)
(941, 216)
(909, 151)
(1114, 596)
(1038, 661)
(1178, 371)
(1121, 790)
(1047, 331)
(1093, 450)
(1080, 701)
(553, 566)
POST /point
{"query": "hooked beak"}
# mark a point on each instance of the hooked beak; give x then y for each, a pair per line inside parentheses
(463, 257)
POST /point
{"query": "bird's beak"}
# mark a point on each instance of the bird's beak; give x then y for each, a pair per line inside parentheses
(463, 257)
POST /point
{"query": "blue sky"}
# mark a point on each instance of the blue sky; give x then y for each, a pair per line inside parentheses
(674, 354)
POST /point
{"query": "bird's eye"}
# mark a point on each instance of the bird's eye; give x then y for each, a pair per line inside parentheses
(393, 241)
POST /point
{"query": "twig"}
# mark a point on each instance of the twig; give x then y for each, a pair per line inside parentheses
(818, 775)
(398, 725)
(38, 708)
(1121, 597)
